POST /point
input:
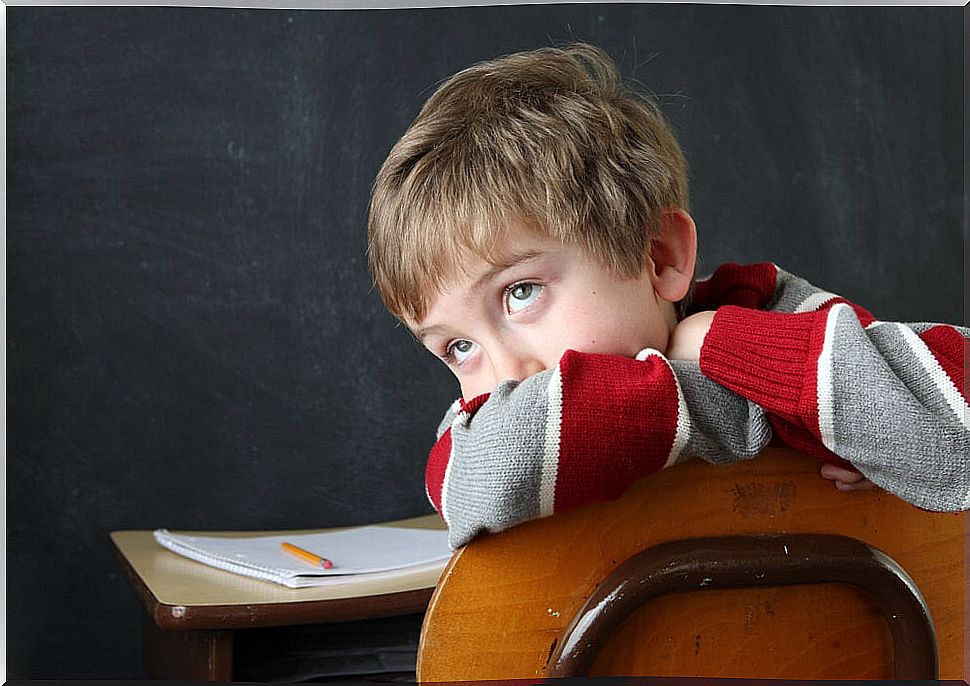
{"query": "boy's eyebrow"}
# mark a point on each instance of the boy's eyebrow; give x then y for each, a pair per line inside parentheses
(507, 262)
(422, 332)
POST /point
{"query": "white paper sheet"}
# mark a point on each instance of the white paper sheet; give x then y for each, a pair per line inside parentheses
(361, 550)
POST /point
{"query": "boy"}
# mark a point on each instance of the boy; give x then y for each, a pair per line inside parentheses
(531, 228)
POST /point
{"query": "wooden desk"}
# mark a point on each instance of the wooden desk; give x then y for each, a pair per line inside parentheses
(193, 610)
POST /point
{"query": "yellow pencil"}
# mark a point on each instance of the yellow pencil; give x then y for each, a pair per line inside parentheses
(307, 556)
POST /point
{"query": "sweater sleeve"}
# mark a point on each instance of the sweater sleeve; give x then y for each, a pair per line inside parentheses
(888, 398)
(584, 431)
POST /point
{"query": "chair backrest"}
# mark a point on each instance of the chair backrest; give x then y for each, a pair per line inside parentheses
(759, 570)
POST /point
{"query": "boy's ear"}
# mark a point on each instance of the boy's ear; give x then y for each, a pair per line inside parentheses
(673, 254)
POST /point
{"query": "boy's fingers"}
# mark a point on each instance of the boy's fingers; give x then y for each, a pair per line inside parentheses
(846, 479)
(863, 485)
(845, 476)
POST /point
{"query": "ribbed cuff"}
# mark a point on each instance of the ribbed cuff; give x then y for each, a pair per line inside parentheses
(769, 358)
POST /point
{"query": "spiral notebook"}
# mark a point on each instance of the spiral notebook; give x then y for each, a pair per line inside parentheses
(367, 550)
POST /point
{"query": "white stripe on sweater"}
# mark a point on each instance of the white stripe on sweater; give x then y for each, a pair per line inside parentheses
(815, 301)
(682, 434)
(683, 426)
(460, 418)
(931, 367)
(550, 456)
(937, 375)
(823, 382)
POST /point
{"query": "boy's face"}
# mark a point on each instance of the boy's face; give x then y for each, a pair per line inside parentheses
(515, 319)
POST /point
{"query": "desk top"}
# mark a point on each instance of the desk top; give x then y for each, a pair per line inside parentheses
(179, 593)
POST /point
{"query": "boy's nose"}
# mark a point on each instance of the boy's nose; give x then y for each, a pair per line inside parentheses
(515, 366)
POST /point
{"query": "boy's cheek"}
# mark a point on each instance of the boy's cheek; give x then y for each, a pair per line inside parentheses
(471, 391)
(620, 335)
(469, 385)
(624, 346)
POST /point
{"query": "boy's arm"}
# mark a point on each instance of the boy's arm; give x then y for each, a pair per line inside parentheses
(582, 432)
(889, 398)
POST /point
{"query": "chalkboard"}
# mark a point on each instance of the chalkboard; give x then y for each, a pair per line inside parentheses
(193, 340)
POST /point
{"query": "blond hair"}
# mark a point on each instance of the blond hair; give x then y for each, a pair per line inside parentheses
(549, 139)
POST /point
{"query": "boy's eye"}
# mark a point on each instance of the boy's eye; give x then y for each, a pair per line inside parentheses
(460, 350)
(520, 295)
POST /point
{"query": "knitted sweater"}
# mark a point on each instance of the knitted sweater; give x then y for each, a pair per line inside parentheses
(782, 358)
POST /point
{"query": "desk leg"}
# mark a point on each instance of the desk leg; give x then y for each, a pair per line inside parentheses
(191, 655)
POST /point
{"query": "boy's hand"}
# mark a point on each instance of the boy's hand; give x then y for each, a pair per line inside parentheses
(688, 336)
(846, 479)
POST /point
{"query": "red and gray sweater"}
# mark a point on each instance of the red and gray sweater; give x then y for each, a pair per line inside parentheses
(782, 358)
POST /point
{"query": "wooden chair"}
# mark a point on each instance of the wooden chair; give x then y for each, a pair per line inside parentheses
(759, 570)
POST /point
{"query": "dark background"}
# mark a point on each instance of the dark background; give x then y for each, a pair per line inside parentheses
(193, 341)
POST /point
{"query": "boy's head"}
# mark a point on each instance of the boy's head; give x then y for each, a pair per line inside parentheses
(543, 151)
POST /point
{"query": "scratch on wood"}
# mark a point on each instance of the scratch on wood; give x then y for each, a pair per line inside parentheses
(552, 647)
(756, 498)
